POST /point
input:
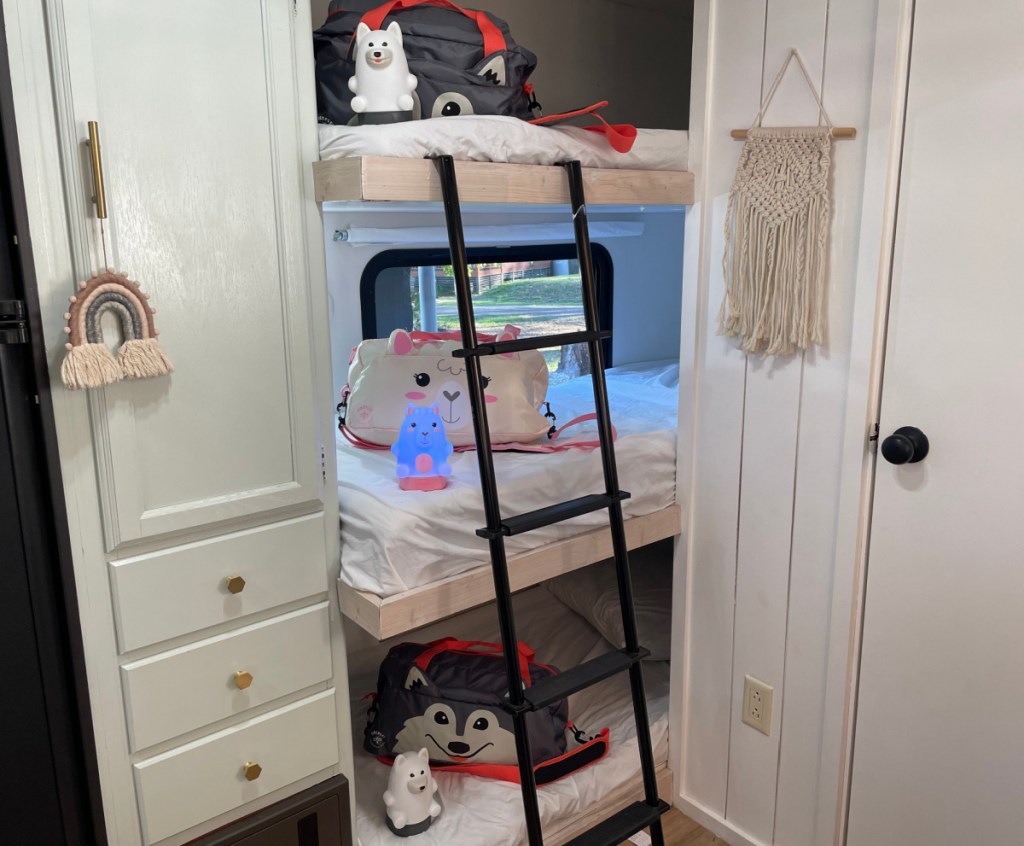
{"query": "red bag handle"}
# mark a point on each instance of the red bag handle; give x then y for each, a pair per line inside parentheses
(494, 41)
(474, 647)
(621, 136)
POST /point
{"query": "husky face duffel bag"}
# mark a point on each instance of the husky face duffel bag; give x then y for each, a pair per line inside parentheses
(466, 61)
(449, 696)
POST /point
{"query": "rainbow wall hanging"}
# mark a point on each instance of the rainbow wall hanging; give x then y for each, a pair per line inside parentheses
(89, 362)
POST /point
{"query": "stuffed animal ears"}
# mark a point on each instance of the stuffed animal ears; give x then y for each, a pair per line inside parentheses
(362, 31)
(424, 754)
(400, 343)
(396, 31)
(89, 362)
(399, 761)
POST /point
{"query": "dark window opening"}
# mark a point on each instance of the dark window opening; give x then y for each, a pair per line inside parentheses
(536, 288)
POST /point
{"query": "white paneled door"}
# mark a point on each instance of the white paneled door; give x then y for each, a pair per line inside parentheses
(939, 748)
(202, 145)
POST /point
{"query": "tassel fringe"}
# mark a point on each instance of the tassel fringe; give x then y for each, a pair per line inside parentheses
(89, 366)
(143, 359)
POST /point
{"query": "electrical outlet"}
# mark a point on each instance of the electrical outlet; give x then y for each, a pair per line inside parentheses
(757, 704)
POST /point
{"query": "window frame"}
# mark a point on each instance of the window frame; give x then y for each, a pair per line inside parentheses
(604, 275)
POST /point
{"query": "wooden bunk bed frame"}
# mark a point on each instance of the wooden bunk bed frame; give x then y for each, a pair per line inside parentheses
(379, 178)
(404, 612)
(386, 179)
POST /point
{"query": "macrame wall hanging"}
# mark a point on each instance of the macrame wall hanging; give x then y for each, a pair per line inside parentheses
(89, 362)
(776, 233)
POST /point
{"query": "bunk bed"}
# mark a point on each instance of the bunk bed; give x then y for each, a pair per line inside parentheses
(409, 563)
(481, 810)
(498, 161)
(409, 559)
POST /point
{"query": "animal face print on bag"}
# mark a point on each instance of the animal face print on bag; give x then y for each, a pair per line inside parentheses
(444, 384)
(461, 734)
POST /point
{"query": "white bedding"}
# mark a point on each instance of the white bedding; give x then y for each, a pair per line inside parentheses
(490, 138)
(394, 540)
(483, 811)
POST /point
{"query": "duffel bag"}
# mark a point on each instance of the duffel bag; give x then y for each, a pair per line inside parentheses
(466, 61)
(449, 696)
(386, 375)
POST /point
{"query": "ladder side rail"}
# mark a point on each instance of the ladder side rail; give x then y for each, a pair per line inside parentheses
(578, 201)
(488, 483)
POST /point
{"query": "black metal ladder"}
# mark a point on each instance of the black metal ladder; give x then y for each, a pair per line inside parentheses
(640, 815)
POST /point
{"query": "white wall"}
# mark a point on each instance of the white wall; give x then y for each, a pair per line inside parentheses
(764, 468)
(635, 57)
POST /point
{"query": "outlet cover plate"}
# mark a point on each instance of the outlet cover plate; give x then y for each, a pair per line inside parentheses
(757, 704)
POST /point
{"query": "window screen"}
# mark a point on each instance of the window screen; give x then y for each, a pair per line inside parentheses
(536, 288)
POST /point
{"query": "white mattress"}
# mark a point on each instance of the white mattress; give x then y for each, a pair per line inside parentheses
(483, 811)
(394, 540)
(489, 138)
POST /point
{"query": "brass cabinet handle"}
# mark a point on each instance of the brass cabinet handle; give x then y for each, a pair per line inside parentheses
(234, 584)
(97, 171)
(243, 679)
(251, 770)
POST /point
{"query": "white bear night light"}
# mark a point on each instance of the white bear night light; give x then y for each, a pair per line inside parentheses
(409, 799)
(382, 84)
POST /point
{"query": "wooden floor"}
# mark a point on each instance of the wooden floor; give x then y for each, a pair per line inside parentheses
(680, 830)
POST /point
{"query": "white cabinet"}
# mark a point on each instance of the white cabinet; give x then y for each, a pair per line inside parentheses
(179, 484)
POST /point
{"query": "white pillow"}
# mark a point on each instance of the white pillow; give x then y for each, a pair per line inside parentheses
(593, 594)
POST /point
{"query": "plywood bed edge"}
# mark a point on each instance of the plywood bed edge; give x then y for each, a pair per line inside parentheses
(405, 612)
(381, 178)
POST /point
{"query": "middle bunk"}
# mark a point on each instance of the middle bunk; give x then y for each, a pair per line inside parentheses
(409, 560)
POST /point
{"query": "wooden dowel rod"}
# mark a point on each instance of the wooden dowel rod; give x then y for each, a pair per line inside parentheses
(837, 132)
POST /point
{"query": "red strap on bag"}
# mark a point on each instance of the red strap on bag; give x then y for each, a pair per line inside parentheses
(621, 136)
(494, 41)
(474, 647)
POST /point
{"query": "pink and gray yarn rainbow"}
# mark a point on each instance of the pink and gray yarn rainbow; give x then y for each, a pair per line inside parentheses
(89, 362)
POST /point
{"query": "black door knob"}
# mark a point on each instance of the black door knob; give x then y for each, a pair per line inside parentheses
(906, 445)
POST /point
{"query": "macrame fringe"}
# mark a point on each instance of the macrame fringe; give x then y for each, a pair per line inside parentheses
(776, 231)
(89, 366)
(143, 359)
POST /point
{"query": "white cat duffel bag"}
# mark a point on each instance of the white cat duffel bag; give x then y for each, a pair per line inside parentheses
(386, 375)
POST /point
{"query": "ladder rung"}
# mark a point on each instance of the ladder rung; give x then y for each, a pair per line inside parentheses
(539, 342)
(555, 688)
(553, 514)
(621, 826)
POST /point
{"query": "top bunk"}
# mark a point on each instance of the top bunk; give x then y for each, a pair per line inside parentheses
(498, 160)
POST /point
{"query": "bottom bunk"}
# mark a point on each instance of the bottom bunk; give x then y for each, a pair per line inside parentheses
(484, 811)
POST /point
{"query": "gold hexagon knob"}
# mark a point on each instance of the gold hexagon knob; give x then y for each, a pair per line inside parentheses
(234, 584)
(251, 770)
(243, 679)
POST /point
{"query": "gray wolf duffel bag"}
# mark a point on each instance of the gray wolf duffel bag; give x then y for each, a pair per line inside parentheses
(449, 697)
(465, 60)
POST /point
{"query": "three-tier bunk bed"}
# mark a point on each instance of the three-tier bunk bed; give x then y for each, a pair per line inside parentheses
(412, 566)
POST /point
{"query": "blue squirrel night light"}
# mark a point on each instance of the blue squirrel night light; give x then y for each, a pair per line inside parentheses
(422, 450)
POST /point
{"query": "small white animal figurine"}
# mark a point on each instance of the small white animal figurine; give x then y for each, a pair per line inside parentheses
(382, 82)
(409, 799)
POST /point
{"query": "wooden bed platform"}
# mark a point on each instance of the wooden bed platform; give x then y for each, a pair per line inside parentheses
(404, 612)
(376, 178)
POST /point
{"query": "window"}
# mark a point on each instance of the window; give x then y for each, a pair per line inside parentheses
(536, 288)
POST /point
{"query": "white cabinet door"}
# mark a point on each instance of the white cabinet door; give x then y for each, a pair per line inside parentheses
(939, 737)
(203, 153)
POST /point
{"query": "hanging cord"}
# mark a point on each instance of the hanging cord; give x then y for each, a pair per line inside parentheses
(778, 81)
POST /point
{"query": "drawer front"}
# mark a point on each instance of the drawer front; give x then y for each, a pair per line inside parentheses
(199, 781)
(188, 688)
(185, 589)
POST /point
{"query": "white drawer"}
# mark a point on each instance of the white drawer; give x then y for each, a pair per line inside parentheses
(188, 688)
(204, 779)
(182, 590)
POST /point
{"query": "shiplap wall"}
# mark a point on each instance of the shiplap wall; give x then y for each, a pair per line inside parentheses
(764, 462)
(634, 56)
